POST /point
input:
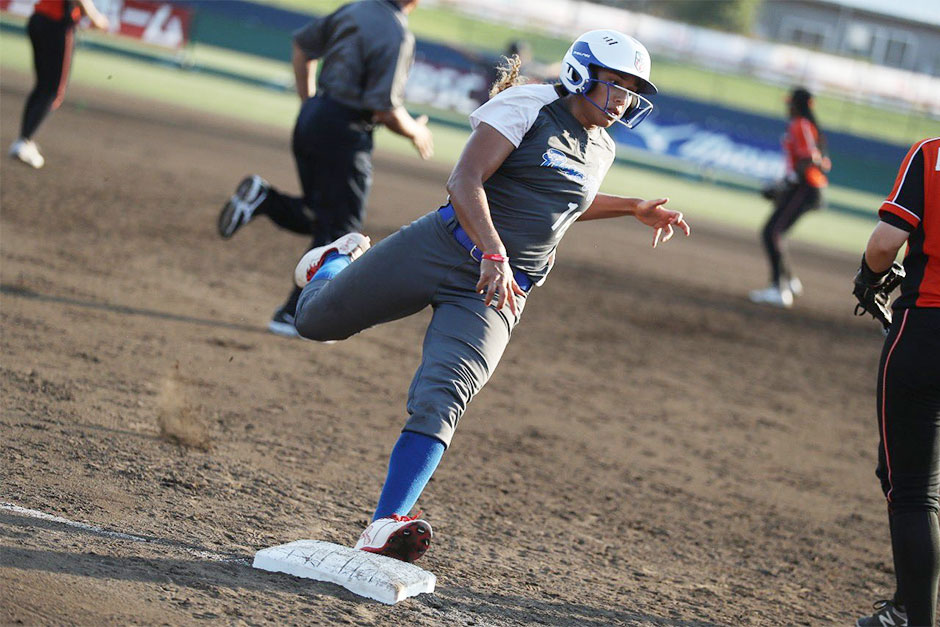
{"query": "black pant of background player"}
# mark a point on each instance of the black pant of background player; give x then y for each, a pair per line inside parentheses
(791, 203)
(332, 146)
(53, 42)
(909, 455)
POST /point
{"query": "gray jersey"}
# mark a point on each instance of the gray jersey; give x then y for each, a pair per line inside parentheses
(366, 52)
(551, 177)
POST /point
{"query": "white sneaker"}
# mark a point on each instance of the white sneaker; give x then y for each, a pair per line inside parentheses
(352, 244)
(282, 323)
(773, 295)
(27, 151)
(402, 537)
(796, 286)
(240, 208)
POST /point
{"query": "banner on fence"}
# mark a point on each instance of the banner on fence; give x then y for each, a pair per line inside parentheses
(163, 24)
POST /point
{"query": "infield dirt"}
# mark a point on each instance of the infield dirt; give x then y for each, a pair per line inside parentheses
(653, 449)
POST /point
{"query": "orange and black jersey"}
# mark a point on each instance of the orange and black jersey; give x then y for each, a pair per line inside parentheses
(914, 206)
(65, 11)
(801, 142)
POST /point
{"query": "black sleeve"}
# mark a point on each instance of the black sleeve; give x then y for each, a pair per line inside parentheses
(911, 194)
(893, 220)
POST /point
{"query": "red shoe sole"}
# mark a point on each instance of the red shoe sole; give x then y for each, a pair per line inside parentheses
(407, 544)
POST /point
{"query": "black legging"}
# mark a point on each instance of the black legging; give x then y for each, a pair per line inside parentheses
(909, 455)
(53, 42)
(795, 200)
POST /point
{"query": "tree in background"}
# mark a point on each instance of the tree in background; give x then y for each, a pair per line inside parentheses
(728, 15)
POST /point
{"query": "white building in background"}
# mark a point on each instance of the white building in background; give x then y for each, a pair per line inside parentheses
(855, 77)
(903, 34)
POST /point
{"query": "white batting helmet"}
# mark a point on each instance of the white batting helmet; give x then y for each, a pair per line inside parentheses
(607, 49)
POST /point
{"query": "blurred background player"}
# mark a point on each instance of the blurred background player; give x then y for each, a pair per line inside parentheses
(800, 191)
(531, 167)
(908, 397)
(51, 31)
(367, 52)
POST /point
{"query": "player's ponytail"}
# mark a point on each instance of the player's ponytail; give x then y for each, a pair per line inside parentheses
(507, 74)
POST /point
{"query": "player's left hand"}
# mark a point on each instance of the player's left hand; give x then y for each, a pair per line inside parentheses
(496, 282)
(654, 214)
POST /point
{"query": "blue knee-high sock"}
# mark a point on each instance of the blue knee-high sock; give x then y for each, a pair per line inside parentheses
(332, 264)
(413, 461)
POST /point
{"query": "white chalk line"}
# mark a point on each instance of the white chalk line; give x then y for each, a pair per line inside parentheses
(118, 535)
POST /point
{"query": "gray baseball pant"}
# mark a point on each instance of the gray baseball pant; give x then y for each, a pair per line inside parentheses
(420, 265)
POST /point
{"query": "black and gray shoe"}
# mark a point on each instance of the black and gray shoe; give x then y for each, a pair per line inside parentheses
(282, 323)
(887, 614)
(240, 208)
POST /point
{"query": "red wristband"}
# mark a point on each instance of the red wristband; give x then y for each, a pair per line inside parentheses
(496, 257)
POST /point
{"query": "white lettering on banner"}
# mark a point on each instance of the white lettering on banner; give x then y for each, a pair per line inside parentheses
(135, 17)
(658, 138)
(20, 7)
(158, 23)
(164, 28)
(710, 149)
(720, 151)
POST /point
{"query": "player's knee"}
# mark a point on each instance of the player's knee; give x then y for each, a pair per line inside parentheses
(433, 423)
(313, 327)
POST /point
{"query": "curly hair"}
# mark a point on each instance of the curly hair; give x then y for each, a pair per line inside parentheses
(507, 74)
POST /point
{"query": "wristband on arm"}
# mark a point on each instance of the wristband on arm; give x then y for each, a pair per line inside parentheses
(869, 276)
(496, 257)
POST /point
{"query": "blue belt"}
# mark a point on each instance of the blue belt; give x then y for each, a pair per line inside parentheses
(447, 212)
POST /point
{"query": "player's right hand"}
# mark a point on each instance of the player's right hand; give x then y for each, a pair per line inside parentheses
(99, 20)
(423, 140)
(496, 282)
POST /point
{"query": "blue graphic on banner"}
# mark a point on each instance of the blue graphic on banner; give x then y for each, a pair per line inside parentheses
(712, 138)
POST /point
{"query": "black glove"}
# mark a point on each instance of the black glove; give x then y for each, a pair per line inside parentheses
(873, 289)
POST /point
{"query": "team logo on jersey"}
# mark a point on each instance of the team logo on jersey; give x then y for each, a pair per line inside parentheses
(556, 159)
(553, 159)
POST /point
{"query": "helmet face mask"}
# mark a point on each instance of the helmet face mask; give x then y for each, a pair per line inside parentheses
(613, 51)
(637, 107)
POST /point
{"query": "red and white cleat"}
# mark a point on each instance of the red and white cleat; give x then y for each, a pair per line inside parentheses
(404, 538)
(352, 244)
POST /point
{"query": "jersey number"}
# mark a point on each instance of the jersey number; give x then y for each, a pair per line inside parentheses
(565, 219)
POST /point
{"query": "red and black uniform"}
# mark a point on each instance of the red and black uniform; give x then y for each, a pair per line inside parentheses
(51, 30)
(802, 191)
(909, 387)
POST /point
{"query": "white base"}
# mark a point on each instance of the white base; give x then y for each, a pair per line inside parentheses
(374, 576)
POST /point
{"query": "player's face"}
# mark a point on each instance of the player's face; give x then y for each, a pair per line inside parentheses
(616, 97)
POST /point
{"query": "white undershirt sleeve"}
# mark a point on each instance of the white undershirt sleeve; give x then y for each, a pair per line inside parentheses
(513, 111)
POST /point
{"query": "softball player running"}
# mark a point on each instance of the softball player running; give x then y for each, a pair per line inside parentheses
(366, 51)
(51, 30)
(531, 168)
(908, 397)
(801, 190)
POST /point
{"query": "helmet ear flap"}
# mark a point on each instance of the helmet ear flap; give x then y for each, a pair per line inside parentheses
(575, 74)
